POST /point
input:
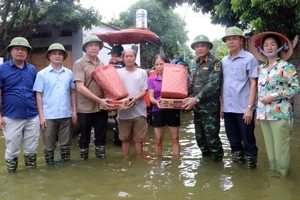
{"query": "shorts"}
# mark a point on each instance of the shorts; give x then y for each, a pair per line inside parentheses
(169, 117)
(137, 126)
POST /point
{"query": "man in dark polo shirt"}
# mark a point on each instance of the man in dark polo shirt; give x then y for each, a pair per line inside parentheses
(89, 96)
(19, 119)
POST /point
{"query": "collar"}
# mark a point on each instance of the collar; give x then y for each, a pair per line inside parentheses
(241, 54)
(277, 61)
(11, 63)
(50, 69)
(205, 59)
(86, 59)
(156, 77)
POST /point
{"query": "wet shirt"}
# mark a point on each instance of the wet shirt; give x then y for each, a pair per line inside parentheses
(82, 71)
(18, 98)
(205, 84)
(281, 82)
(55, 87)
(236, 84)
(154, 83)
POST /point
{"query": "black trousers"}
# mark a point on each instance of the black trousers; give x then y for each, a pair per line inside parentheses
(96, 120)
(240, 135)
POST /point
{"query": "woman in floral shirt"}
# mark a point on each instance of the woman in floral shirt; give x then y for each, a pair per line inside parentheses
(277, 85)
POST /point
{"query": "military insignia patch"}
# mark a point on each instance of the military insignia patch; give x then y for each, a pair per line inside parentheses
(217, 67)
(205, 68)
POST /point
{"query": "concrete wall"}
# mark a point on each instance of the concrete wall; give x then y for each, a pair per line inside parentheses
(295, 60)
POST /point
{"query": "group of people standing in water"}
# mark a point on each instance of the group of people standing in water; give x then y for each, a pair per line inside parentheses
(237, 89)
(241, 91)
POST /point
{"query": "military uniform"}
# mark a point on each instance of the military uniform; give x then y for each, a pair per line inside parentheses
(205, 86)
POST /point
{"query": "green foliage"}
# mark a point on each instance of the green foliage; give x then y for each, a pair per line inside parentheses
(219, 49)
(20, 18)
(164, 22)
(254, 15)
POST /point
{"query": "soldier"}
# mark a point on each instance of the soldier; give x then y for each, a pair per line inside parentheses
(19, 119)
(55, 96)
(205, 89)
(238, 98)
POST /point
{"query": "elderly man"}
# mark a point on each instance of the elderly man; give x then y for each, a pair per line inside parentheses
(19, 115)
(134, 119)
(205, 89)
(238, 98)
(55, 96)
(89, 96)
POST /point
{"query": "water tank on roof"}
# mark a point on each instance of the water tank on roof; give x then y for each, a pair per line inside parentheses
(141, 19)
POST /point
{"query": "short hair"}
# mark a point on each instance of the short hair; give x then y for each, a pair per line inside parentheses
(275, 37)
(126, 50)
(162, 57)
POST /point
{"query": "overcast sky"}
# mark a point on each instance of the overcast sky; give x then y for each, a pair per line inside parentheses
(197, 23)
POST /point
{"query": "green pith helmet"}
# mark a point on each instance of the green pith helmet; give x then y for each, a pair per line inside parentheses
(201, 39)
(89, 39)
(56, 46)
(233, 31)
(19, 41)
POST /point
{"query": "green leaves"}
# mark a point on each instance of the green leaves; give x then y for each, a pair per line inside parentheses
(169, 26)
(256, 15)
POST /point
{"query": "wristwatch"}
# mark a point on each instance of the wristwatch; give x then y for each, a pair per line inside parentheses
(251, 107)
(197, 100)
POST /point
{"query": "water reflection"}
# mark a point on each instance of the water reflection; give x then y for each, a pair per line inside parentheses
(147, 177)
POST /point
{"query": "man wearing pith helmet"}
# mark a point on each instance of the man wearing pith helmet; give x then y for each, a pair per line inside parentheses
(55, 94)
(238, 98)
(19, 119)
(205, 90)
(89, 96)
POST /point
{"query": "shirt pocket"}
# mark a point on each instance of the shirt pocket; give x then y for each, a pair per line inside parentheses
(240, 72)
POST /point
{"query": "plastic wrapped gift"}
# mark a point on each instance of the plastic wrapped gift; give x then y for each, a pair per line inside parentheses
(174, 82)
(110, 82)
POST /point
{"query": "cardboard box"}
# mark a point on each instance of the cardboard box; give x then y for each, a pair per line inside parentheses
(171, 103)
(121, 104)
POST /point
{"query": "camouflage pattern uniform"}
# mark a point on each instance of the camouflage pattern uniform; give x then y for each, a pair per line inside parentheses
(205, 85)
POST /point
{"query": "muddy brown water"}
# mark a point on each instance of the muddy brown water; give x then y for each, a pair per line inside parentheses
(147, 177)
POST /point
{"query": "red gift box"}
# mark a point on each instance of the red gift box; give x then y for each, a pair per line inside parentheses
(174, 82)
(110, 82)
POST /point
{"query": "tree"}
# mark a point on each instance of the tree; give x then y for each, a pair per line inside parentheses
(254, 15)
(21, 18)
(165, 23)
(219, 49)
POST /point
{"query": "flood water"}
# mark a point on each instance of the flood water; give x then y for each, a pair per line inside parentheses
(147, 177)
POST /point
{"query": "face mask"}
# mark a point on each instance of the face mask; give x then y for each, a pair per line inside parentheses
(273, 54)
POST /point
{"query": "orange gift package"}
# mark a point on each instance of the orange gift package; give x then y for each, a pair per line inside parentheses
(174, 82)
(110, 82)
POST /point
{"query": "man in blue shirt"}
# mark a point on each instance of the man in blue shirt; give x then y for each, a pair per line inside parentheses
(55, 97)
(19, 119)
(238, 98)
